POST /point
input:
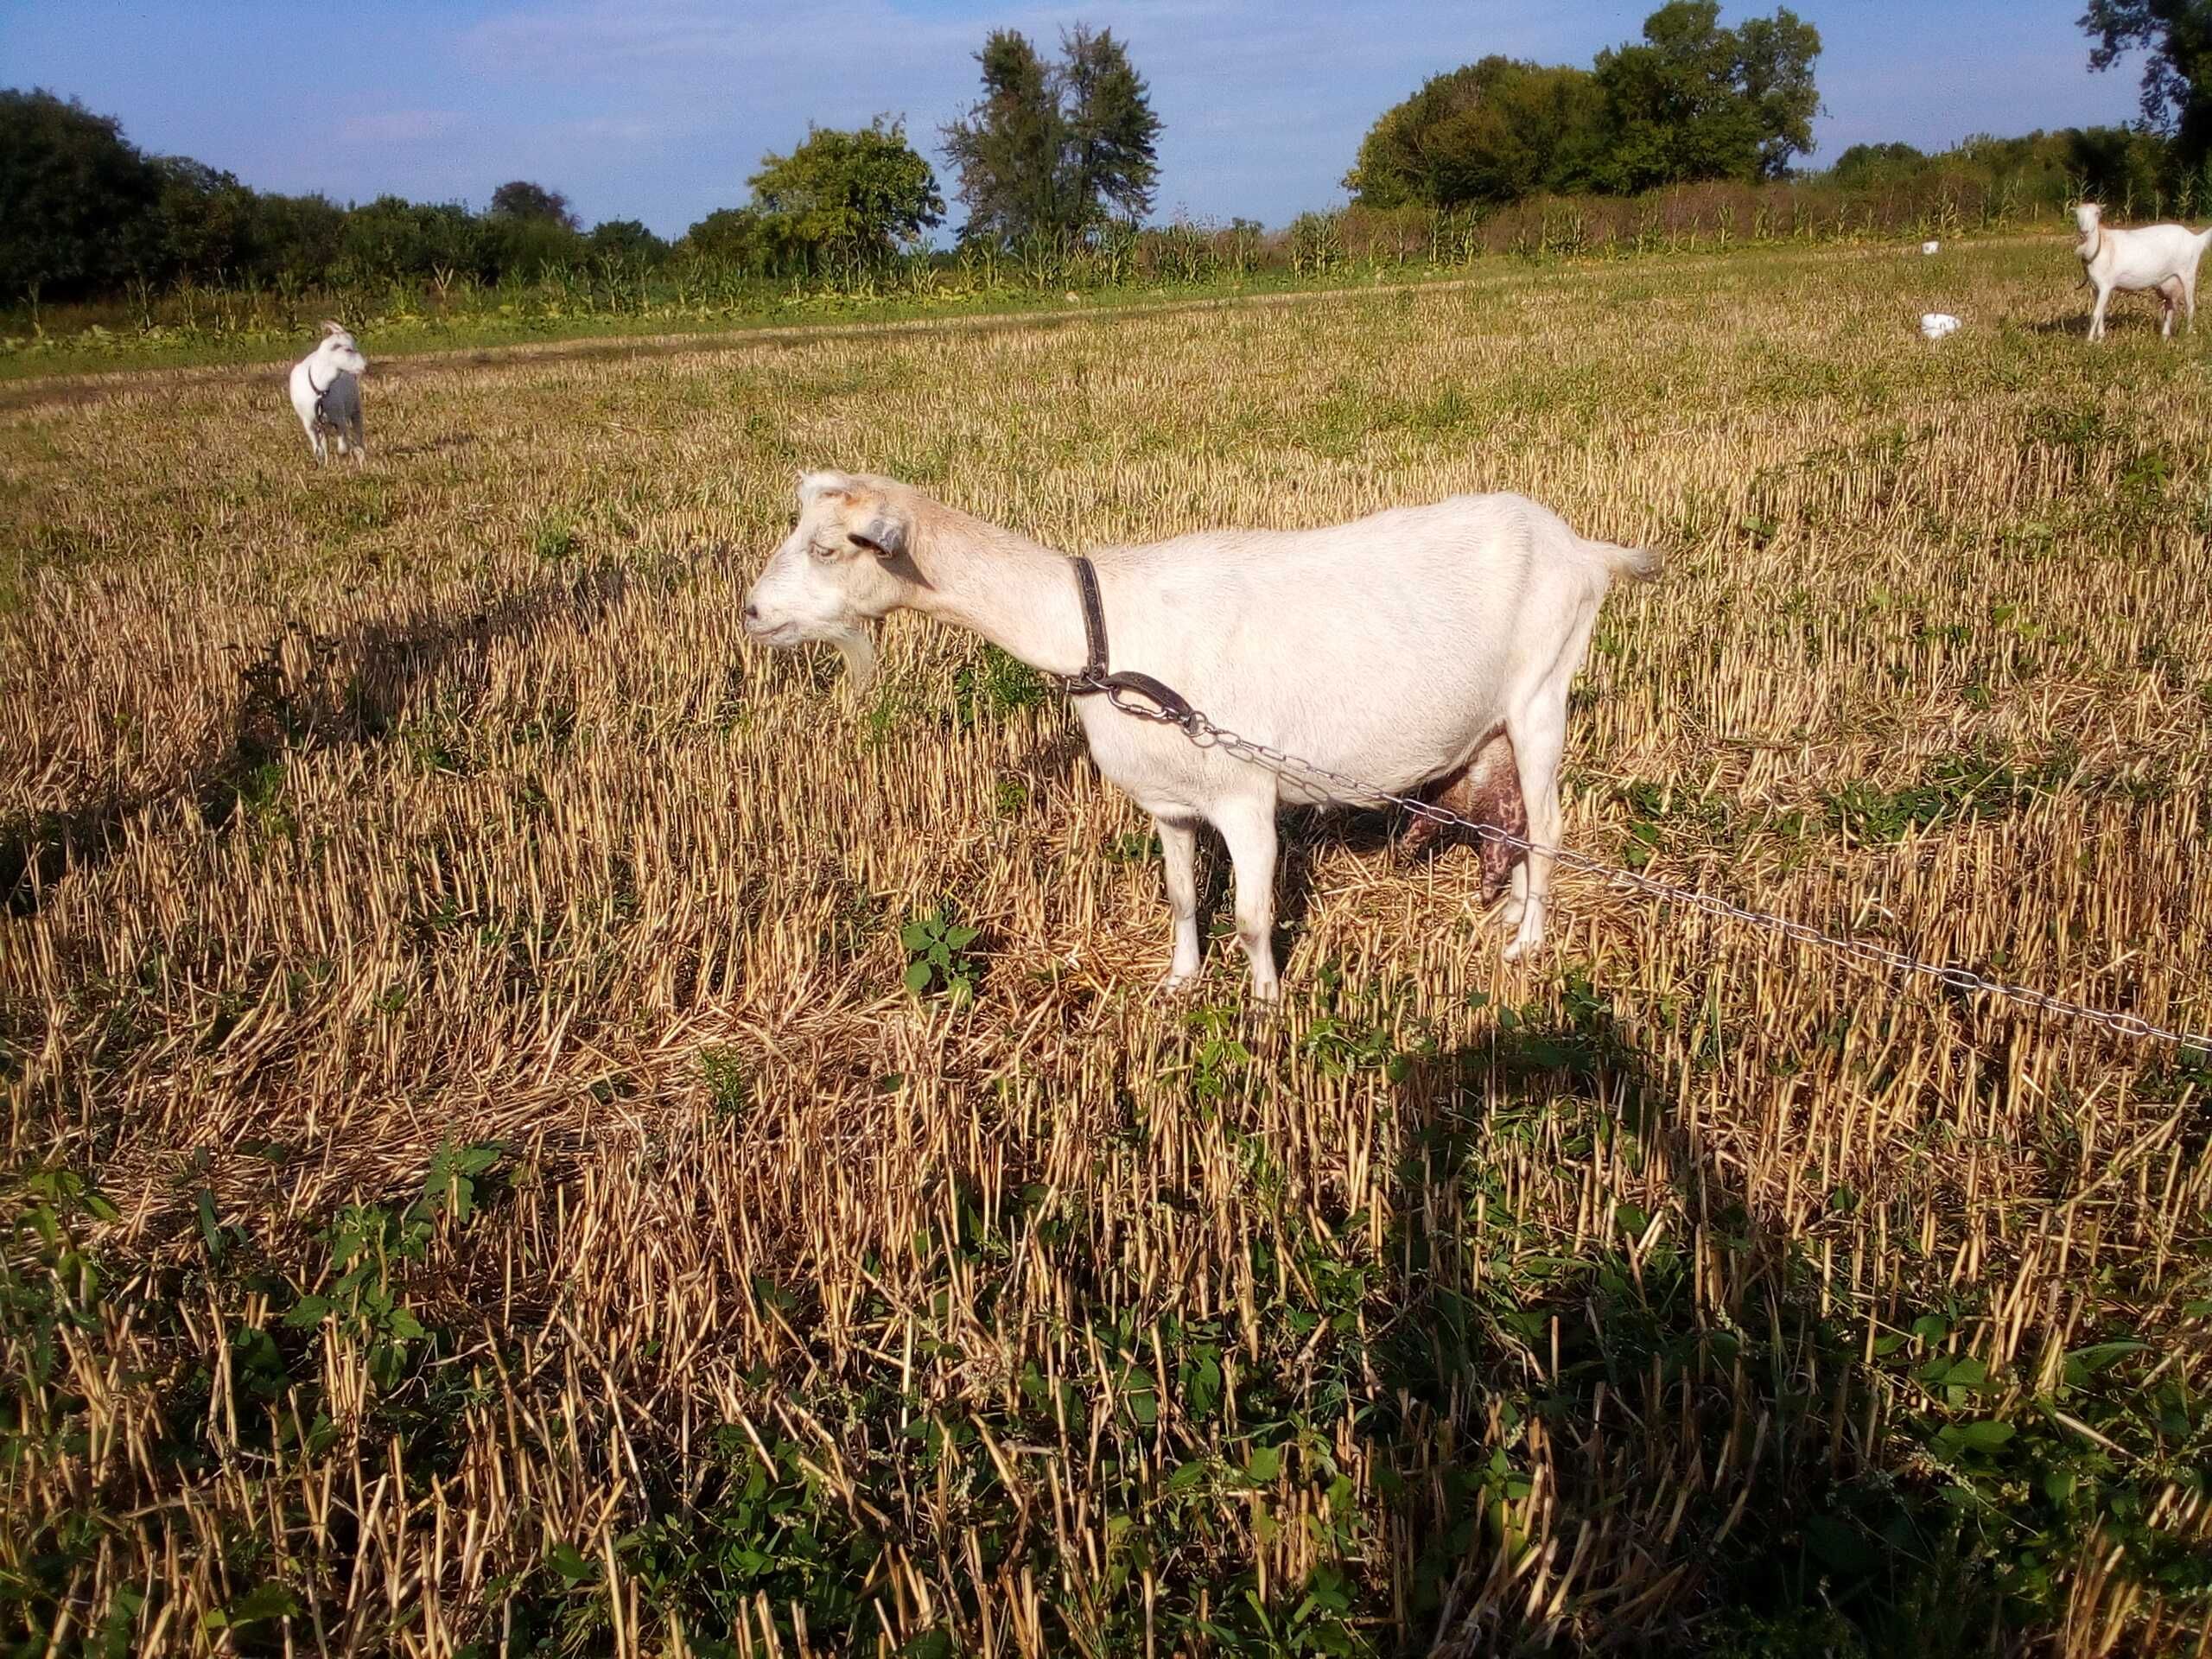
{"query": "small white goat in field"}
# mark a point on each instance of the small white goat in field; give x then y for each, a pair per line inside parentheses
(1402, 649)
(2160, 256)
(326, 392)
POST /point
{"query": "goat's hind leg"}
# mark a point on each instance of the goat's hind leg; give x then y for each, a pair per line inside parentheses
(1249, 826)
(1539, 736)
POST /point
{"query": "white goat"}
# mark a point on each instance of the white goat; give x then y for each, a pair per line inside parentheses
(2161, 257)
(326, 392)
(1397, 649)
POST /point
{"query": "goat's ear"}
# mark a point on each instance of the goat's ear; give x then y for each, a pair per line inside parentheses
(882, 535)
(330, 327)
(812, 486)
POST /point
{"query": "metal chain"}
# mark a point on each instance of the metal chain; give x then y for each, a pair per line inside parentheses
(1203, 732)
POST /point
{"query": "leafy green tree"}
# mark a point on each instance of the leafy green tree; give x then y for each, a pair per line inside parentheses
(2177, 73)
(1694, 100)
(626, 240)
(1774, 69)
(81, 209)
(208, 219)
(732, 238)
(519, 199)
(527, 230)
(1055, 149)
(2123, 166)
(858, 195)
(1493, 131)
(301, 239)
(394, 238)
(1865, 164)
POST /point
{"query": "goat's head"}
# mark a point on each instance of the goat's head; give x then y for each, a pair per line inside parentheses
(2086, 215)
(338, 350)
(843, 567)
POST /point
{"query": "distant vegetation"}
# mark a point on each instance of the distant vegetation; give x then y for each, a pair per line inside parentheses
(1691, 102)
(1691, 135)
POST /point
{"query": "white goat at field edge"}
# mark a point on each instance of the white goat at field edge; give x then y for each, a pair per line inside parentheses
(1400, 649)
(326, 392)
(2160, 256)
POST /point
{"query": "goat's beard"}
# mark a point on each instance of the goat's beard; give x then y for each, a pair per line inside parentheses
(856, 644)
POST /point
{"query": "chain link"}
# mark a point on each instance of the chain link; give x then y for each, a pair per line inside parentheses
(1203, 732)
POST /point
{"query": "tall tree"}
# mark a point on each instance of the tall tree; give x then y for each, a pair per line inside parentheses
(520, 199)
(1694, 100)
(861, 193)
(2176, 77)
(1495, 131)
(1109, 157)
(1054, 150)
(80, 205)
(1007, 148)
(1774, 67)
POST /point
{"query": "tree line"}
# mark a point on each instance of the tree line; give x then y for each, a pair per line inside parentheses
(1064, 149)
(1052, 147)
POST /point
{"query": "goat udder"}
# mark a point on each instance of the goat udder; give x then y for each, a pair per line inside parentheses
(1486, 792)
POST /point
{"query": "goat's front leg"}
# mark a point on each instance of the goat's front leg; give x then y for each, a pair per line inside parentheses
(1179, 847)
(2097, 315)
(1249, 826)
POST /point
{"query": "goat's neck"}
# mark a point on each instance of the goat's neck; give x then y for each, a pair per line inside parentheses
(2090, 245)
(1020, 596)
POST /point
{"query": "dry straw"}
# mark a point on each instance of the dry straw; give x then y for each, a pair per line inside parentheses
(359, 822)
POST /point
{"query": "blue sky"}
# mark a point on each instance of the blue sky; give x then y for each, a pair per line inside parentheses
(659, 109)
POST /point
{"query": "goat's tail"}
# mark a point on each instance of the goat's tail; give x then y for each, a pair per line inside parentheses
(1630, 564)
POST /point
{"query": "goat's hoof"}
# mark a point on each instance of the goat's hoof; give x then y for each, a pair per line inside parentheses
(1177, 984)
(1268, 995)
(1525, 944)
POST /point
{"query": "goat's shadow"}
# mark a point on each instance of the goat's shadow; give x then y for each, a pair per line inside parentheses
(2117, 321)
(1662, 1383)
(438, 445)
(303, 692)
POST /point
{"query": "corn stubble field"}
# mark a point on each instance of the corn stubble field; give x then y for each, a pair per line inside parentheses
(482, 1181)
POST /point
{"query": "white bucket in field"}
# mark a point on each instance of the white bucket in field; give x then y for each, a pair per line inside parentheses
(1929, 247)
(1936, 324)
